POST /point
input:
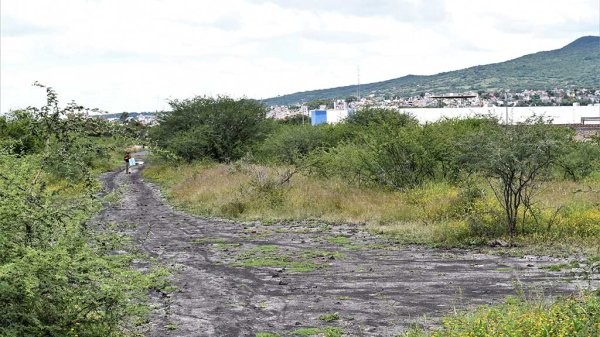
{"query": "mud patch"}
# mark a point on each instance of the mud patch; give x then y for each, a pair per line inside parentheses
(239, 279)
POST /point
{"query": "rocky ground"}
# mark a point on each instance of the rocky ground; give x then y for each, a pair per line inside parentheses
(238, 279)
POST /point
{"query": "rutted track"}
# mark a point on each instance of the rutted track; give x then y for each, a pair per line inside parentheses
(375, 291)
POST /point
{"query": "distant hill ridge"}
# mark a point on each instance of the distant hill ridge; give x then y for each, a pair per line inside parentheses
(576, 64)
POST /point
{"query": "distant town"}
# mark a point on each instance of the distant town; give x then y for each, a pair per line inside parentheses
(525, 98)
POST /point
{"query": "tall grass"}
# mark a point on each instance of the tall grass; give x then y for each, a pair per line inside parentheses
(436, 213)
(210, 189)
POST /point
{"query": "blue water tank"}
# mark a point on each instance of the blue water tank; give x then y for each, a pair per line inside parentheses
(318, 117)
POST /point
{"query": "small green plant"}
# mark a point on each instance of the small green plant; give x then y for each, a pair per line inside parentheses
(560, 266)
(224, 246)
(329, 317)
(266, 334)
(327, 332)
(113, 197)
(339, 240)
(275, 256)
(505, 269)
(307, 331)
(333, 332)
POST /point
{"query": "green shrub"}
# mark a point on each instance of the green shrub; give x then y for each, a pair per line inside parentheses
(465, 202)
(381, 118)
(570, 316)
(17, 133)
(59, 277)
(290, 144)
(233, 209)
(580, 159)
(442, 140)
(348, 160)
(221, 129)
(399, 159)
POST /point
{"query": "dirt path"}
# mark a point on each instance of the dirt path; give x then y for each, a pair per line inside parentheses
(237, 279)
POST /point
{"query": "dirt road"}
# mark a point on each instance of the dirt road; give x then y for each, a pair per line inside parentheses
(237, 279)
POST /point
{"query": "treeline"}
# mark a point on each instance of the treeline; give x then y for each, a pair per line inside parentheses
(58, 275)
(381, 148)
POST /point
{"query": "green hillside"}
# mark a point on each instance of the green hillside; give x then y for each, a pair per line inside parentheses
(576, 64)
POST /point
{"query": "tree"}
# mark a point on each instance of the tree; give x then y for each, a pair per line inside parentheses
(297, 119)
(381, 117)
(123, 117)
(315, 104)
(351, 99)
(220, 129)
(290, 144)
(514, 159)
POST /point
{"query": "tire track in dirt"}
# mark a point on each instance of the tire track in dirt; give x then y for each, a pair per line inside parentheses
(376, 287)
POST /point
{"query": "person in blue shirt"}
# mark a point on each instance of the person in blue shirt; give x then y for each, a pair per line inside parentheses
(126, 158)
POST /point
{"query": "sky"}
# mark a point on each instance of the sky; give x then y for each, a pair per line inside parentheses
(130, 55)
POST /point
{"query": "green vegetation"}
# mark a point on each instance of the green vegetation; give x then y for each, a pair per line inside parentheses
(329, 317)
(570, 316)
(514, 159)
(307, 331)
(317, 103)
(576, 64)
(327, 332)
(527, 188)
(274, 256)
(171, 326)
(339, 240)
(287, 145)
(450, 183)
(266, 334)
(58, 275)
(220, 128)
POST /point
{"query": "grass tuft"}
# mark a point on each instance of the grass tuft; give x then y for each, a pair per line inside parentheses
(330, 317)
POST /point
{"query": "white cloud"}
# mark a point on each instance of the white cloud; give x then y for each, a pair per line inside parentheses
(133, 55)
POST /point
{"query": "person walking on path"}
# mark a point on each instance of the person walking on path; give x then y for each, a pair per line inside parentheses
(126, 158)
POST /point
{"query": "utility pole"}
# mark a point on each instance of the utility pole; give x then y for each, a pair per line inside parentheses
(506, 104)
(358, 80)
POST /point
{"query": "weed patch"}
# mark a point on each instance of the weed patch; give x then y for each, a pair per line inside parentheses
(327, 332)
(339, 240)
(329, 317)
(275, 256)
(266, 334)
(570, 316)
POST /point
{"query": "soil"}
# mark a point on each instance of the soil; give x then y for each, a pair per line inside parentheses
(239, 278)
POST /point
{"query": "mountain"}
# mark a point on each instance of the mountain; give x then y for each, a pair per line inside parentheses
(576, 64)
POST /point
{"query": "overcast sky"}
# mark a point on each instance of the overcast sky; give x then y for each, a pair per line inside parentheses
(129, 55)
